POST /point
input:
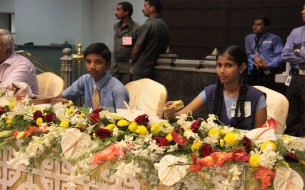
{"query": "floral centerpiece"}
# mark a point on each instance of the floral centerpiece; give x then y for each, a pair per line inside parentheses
(207, 152)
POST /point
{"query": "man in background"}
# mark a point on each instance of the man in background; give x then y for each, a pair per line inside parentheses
(152, 40)
(14, 67)
(125, 35)
(294, 53)
(264, 54)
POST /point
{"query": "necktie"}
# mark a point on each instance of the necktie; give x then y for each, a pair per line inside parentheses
(95, 99)
(257, 42)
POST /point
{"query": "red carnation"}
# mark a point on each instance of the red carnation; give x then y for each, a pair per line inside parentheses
(37, 114)
(97, 111)
(94, 117)
(205, 150)
(246, 143)
(291, 157)
(142, 119)
(161, 141)
(50, 118)
(102, 133)
(240, 155)
(195, 126)
(2, 110)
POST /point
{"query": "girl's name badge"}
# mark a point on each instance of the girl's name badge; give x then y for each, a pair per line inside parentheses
(127, 41)
(247, 109)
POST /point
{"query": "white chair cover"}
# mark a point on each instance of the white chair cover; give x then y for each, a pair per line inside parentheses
(49, 84)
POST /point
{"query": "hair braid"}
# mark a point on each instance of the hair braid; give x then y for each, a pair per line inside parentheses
(218, 98)
(240, 104)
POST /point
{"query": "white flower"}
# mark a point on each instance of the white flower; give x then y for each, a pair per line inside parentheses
(125, 170)
(172, 148)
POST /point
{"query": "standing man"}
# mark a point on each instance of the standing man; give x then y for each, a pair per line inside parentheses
(152, 40)
(125, 35)
(264, 54)
(294, 53)
(14, 67)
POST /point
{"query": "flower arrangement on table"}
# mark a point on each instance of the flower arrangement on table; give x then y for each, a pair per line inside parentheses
(205, 151)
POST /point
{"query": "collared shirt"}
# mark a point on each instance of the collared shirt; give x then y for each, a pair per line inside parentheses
(112, 92)
(17, 68)
(270, 48)
(153, 40)
(122, 53)
(295, 40)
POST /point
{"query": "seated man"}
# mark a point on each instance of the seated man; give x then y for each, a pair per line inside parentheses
(14, 67)
(98, 87)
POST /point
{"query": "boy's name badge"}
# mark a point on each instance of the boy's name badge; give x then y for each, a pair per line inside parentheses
(247, 109)
(127, 41)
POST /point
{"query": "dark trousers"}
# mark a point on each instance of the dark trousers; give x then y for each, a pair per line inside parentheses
(296, 114)
(258, 77)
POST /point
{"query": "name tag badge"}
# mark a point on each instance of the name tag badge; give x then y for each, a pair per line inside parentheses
(247, 108)
(288, 79)
(127, 40)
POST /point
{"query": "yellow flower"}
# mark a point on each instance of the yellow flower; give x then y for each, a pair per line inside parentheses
(81, 115)
(12, 104)
(231, 139)
(133, 126)
(94, 135)
(141, 130)
(110, 127)
(169, 137)
(155, 128)
(266, 144)
(254, 160)
(221, 142)
(80, 126)
(214, 131)
(70, 111)
(64, 123)
(9, 121)
(196, 145)
(223, 131)
(123, 123)
(39, 121)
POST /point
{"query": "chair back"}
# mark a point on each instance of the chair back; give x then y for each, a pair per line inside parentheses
(277, 107)
(50, 84)
(148, 96)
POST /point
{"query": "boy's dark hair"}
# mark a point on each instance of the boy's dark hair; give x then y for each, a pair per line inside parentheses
(127, 7)
(156, 3)
(265, 20)
(100, 49)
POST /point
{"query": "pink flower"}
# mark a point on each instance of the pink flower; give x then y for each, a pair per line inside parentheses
(109, 153)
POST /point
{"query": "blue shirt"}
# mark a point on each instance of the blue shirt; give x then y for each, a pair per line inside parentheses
(270, 48)
(296, 39)
(228, 102)
(112, 92)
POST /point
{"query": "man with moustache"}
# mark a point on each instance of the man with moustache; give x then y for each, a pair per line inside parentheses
(152, 40)
(294, 53)
(126, 32)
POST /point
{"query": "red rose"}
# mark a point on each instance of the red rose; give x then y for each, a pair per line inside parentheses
(50, 118)
(94, 117)
(195, 126)
(102, 133)
(178, 139)
(291, 157)
(246, 143)
(142, 119)
(240, 155)
(161, 141)
(2, 110)
(205, 150)
(37, 114)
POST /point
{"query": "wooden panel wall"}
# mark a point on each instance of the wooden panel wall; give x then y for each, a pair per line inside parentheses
(198, 26)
